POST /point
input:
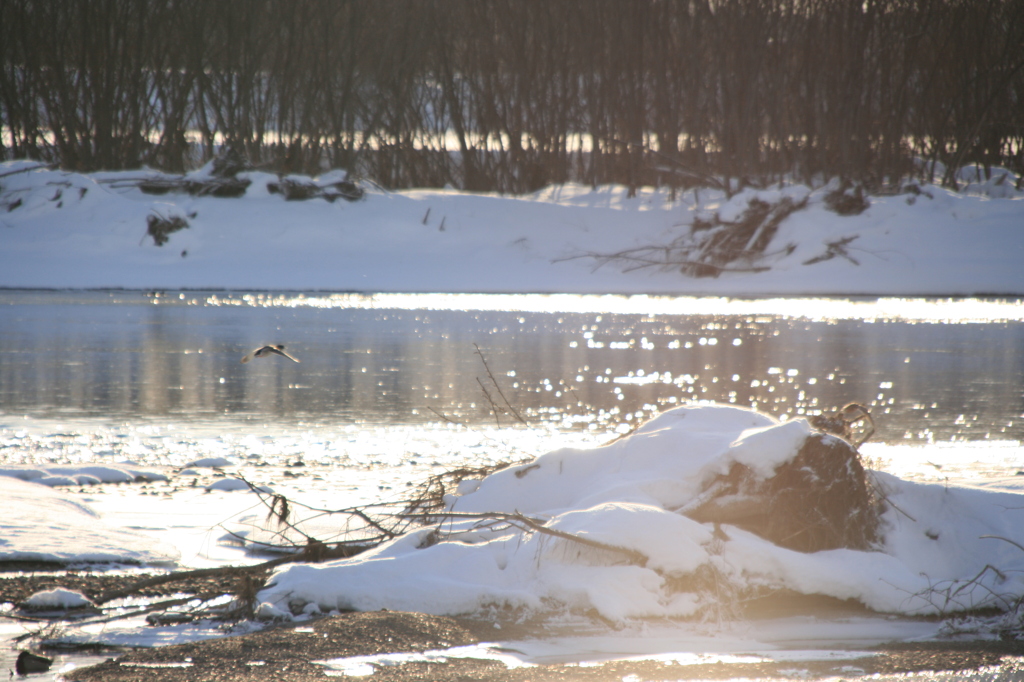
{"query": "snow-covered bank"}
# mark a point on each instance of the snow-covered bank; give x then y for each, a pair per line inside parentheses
(42, 524)
(939, 548)
(67, 230)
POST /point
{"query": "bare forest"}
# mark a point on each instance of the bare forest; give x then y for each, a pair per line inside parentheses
(513, 95)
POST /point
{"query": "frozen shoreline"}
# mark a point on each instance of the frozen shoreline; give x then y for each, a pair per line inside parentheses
(639, 648)
(67, 230)
(951, 513)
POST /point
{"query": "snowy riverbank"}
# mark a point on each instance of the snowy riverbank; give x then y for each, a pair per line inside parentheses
(61, 230)
(937, 548)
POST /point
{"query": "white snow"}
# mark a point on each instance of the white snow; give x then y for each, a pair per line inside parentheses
(937, 539)
(211, 462)
(359, 666)
(62, 229)
(42, 524)
(57, 598)
(81, 475)
(234, 484)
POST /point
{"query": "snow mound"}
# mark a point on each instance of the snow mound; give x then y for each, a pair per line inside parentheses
(56, 599)
(43, 524)
(81, 475)
(234, 484)
(211, 463)
(615, 531)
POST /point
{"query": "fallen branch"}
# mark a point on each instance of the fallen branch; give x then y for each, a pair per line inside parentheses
(1000, 537)
(151, 608)
(48, 166)
(836, 248)
(431, 494)
(640, 262)
(712, 246)
(634, 556)
(279, 506)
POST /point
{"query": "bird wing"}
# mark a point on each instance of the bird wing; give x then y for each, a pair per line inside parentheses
(267, 350)
(281, 351)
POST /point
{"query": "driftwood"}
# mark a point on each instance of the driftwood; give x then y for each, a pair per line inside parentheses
(821, 499)
(251, 578)
(847, 200)
(299, 190)
(712, 247)
(852, 422)
(220, 183)
(213, 186)
(159, 227)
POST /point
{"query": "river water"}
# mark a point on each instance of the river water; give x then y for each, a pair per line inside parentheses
(929, 370)
(391, 387)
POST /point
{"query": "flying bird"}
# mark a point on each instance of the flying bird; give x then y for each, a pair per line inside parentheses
(267, 351)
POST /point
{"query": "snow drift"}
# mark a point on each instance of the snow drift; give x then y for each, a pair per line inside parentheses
(43, 524)
(934, 549)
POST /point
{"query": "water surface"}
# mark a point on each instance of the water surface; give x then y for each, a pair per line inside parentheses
(929, 370)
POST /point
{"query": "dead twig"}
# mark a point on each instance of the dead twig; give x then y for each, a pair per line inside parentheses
(640, 263)
(281, 504)
(536, 525)
(431, 494)
(444, 417)
(712, 246)
(833, 249)
(490, 401)
(514, 412)
(1000, 537)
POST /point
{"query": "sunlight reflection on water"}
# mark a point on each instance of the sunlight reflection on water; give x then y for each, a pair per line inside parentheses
(933, 370)
(946, 311)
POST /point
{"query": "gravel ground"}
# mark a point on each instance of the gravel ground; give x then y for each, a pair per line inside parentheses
(16, 588)
(287, 653)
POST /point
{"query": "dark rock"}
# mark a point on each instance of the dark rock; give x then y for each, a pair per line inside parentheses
(28, 662)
